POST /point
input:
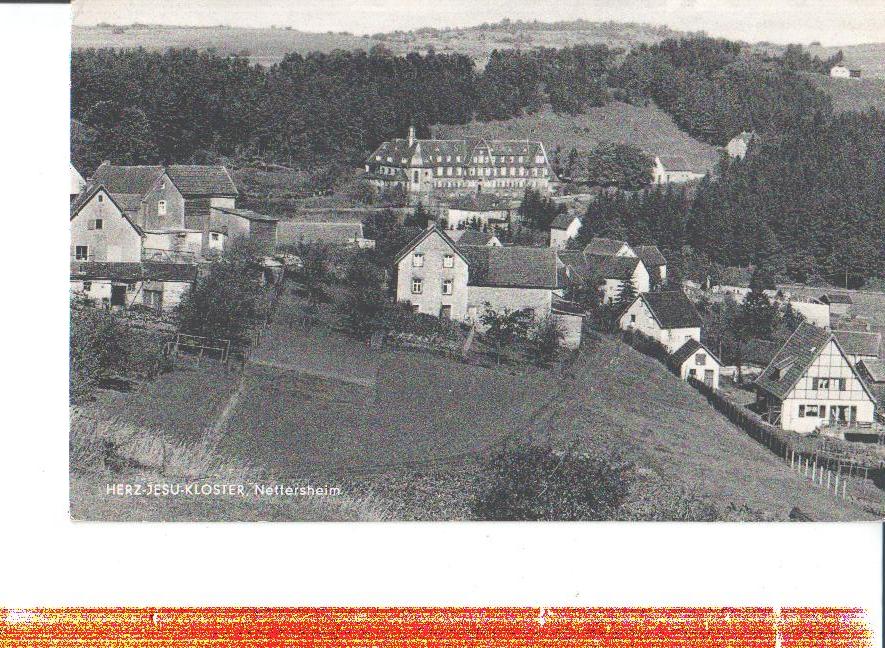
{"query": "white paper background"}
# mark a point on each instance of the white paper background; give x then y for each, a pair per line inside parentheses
(49, 561)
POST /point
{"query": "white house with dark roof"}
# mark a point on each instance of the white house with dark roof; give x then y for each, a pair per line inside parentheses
(668, 317)
(565, 226)
(158, 286)
(695, 360)
(101, 230)
(447, 167)
(654, 261)
(811, 383)
(737, 146)
(437, 276)
(669, 169)
(607, 272)
(609, 247)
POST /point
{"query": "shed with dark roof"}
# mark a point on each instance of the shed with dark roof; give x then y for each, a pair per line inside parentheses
(694, 359)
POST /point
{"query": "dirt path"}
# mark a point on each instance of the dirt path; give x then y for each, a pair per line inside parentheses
(230, 406)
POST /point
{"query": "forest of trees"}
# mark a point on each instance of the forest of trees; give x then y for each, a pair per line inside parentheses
(809, 206)
(809, 200)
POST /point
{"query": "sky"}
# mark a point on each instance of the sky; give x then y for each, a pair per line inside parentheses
(832, 22)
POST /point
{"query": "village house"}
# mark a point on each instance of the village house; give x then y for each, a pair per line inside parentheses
(474, 237)
(564, 228)
(176, 206)
(425, 167)
(842, 71)
(78, 184)
(811, 383)
(737, 146)
(339, 233)
(859, 345)
(839, 302)
(437, 276)
(608, 272)
(668, 317)
(694, 360)
(158, 286)
(669, 169)
(654, 262)
(101, 230)
(479, 208)
(245, 223)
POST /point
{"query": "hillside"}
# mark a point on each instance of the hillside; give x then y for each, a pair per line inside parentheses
(852, 94)
(646, 127)
(869, 57)
(269, 45)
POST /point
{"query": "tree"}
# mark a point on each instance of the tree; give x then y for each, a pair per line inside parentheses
(419, 217)
(759, 314)
(625, 296)
(619, 165)
(314, 271)
(534, 482)
(537, 212)
(98, 347)
(224, 302)
(364, 298)
(504, 327)
(545, 338)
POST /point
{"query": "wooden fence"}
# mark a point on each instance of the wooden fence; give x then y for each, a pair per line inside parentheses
(827, 465)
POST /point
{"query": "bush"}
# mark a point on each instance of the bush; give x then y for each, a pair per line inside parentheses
(530, 482)
(545, 339)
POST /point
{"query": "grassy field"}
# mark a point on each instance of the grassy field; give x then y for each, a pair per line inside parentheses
(852, 94)
(269, 45)
(402, 433)
(646, 127)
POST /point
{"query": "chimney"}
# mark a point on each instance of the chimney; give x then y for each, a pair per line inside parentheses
(411, 135)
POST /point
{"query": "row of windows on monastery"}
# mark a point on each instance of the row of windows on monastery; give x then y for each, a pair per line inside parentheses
(477, 159)
(489, 172)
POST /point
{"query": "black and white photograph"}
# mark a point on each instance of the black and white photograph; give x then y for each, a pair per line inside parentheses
(477, 261)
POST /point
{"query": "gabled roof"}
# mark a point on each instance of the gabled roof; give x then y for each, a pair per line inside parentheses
(133, 271)
(129, 179)
(651, 256)
(859, 342)
(687, 350)
(408, 247)
(604, 246)
(795, 357)
(671, 309)
(563, 220)
(83, 199)
(248, 214)
(836, 298)
(312, 231)
(512, 267)
(472, 237)
(874, 368)
(202, 180)
(759, 352)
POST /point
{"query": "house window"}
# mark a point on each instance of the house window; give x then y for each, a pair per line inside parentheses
(417, 260)
(87, 286)
(700, 359)
(632, 319)
(811, 411)
(99, 223)
(161, 208)
(823, 411)
(448, 261)
(81, 252)
(802, 411)
(100, 198)
(693, 373)
(447, 287)
(417, 286)
(214, 236)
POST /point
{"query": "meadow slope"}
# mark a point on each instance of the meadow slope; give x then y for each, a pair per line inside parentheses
(646, 127)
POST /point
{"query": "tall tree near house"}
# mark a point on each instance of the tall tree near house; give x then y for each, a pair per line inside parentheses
(504, 327)
(545, 338)
(758, 313)
(619, 165)
(364, 297)
(315, 272)
(536, 211)
(419, 217)
(626, 295)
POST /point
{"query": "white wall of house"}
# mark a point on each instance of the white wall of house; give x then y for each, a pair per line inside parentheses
(662, 175)
(187, 241)
(736, 147)
(830, 364)
(99, 290)
(539, 300)
(840, 72)
(702, 366)
(559, 237)
(612, 287)
(117, 240)
(432, 273)
(639, 318)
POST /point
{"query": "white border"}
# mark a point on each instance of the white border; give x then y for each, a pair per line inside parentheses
(48, 560)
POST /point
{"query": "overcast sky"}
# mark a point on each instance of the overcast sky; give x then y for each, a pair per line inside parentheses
(832, 22)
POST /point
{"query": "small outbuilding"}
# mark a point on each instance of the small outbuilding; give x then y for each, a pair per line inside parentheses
(694, 360)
